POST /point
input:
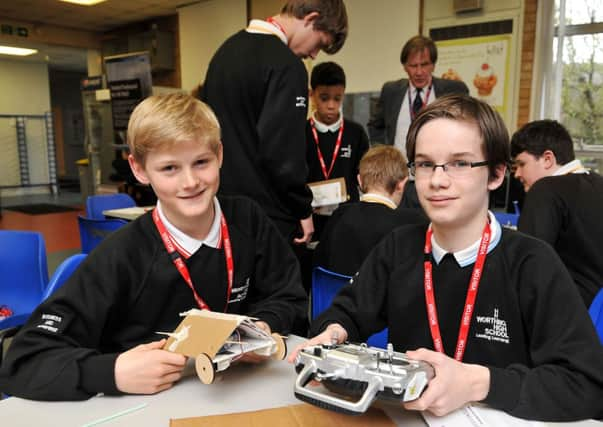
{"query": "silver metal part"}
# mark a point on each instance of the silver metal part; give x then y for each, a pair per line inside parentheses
(383, 371)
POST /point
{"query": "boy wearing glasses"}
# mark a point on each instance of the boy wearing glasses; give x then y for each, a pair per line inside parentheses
(494, 311)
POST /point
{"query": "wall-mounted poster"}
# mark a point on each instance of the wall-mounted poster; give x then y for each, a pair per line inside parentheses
(482, 63)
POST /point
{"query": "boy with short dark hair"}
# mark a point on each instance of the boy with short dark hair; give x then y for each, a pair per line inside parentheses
(334, 145)
(495, 312)
(563, 201)
(98, 333)
(355, 228)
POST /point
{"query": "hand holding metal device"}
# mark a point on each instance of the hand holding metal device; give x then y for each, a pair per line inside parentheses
(353, 369)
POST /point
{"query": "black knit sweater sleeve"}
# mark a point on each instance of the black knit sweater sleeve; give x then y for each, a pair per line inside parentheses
(564, 381)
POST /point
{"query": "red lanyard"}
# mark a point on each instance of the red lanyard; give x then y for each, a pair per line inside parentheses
(321, 159)
(423, 102)
(277, 25)
(181, 266)
(432, 313)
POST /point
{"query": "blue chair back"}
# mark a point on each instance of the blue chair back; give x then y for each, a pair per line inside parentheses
(325, 285)
(93, 231)
(95, 205)
(62, 273)
(509, 220)
(23, 273)
(596, 313)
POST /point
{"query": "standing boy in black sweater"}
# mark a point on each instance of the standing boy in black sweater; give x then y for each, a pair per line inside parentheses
(563, 202)
(334, 145)
(494, 311)
(97, 334)
(258, 86)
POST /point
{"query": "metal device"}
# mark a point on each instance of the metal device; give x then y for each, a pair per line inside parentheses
(356, 369)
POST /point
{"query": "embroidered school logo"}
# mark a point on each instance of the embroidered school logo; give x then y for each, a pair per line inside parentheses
(50, 322)
(494, 329)
(239, 293)
(346, 151)
(300, 101)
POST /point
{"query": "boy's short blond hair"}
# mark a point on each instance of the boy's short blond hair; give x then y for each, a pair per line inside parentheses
(163, 120)
(382, 166)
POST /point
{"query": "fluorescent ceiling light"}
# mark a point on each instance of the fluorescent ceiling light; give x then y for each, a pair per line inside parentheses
(84, 2)
(19, 51)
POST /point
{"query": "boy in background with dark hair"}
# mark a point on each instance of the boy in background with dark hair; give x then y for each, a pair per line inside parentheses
(495, 312)
(355, 228)
(563, 202)
(257, 84)
(334, 145)
(97, 333)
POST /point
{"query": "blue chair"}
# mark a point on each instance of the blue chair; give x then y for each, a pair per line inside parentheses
(509, 220)
(325, 285)
(93, 231)
(62, 273)
(596, 313)
(95, 205)
(24, 273)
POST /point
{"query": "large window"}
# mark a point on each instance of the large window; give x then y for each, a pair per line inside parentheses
(577, 75)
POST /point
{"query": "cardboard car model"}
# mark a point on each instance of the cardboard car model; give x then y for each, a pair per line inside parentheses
(215, 340)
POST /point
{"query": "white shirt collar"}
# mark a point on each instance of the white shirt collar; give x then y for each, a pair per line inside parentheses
(575, 166)
(378, 198)
(189, 244)
(467, 256)
(259, 26)
(323, 128)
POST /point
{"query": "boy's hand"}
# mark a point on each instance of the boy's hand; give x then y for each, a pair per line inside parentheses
(307, 226)
(334, 334)
(454, 385)
(148, 369)
(252, 357)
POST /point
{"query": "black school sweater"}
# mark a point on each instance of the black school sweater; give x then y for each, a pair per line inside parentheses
(354, 143)
(128, 288)
(258, 89)
(355, 229)
(565, 211)
(529, 325)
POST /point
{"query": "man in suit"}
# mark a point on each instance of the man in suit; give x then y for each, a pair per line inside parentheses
(398, 102)
(402, 100)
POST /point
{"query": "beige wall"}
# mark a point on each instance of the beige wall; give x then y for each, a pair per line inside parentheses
(203, 28)
(370, 56)
(24, 88)
(378, 29)
(440, 13)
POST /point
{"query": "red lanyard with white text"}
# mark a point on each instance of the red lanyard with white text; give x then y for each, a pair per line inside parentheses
(181, 266)
(432, 313)
(423, 103)
(321, 159)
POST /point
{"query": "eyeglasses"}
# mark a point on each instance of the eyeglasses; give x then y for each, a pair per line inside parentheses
(454, 168)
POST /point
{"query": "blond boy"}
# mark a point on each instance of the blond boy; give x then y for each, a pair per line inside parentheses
(103, 337)
(354, 229)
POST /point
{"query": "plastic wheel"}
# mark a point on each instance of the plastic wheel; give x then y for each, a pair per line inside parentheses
(281, 347)
(205, 368)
